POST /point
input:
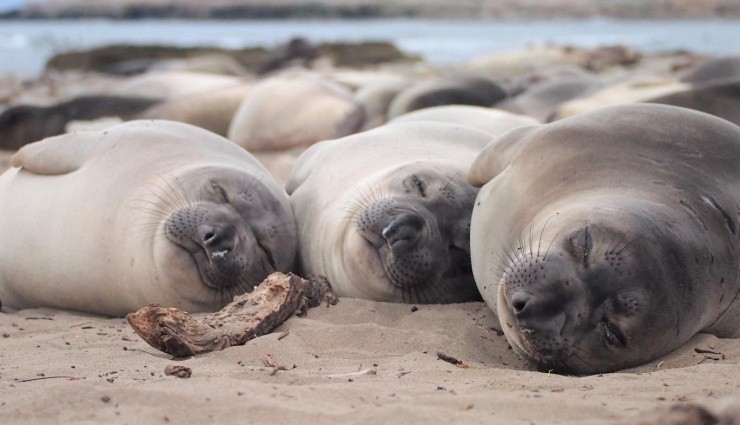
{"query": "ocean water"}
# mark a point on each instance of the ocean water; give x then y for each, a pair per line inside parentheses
(25, 46)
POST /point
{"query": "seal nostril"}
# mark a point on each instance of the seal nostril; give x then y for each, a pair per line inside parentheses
(208, 237)
(519, 305)
(402, 231)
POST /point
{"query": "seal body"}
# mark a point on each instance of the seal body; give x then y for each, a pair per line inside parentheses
(490, 120)
(210, 109)
(23, 124)
(606, 240)
(720, 98)
(724, 68)
(144, 212)
(450, 90)
(541, 100)
(294, 109)
(385, 214)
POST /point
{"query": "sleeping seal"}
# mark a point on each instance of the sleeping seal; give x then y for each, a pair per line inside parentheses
(147, 211)
(606, 240)
(385, 214)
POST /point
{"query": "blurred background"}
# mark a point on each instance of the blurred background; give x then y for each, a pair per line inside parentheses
(436, 31)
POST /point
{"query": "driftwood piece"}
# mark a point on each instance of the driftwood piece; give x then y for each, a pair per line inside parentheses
(250, 315)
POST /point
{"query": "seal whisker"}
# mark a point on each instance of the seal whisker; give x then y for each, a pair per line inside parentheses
(554, 238)
(542, 232)
(450, 179)
(630, 243)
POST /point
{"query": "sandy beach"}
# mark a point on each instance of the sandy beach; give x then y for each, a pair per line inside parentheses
(360, 361)
(357, 362)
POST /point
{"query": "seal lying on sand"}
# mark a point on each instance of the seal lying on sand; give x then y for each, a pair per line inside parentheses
(210, 109)
(385, 214)
(451, 90)
(294, 109)
(606, 240)
(542, 100)
(146, 211)
(720, 98)
(713, 70)
(24, 124)
(492, 121)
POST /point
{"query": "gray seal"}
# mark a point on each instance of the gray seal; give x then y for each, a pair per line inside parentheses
(24, 124)
(606, 240)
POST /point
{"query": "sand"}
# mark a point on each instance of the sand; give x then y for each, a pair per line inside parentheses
(356, 362)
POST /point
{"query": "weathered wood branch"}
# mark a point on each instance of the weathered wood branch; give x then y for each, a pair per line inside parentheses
(250, 315)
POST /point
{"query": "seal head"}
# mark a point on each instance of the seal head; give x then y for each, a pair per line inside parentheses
(416, 233)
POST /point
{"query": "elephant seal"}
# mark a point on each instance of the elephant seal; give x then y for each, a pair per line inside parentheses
(636, 89)
(720, 98)
(451, 90)
(713, 70)
(542, 100)
(294, 109)
(23, 124)
(490, 120)
(606, 240)
(376, 99)
(384, 214)
(144, 212)
(164, 84)
(212, 110)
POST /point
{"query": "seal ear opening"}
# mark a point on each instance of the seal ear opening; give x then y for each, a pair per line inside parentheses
(495, 157)
(52, 156)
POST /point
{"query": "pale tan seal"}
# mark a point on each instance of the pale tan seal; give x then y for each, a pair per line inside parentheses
(163, 84)
(637, 89)
(384, 214)
(606, 240)
(212, 110)
(144, 212)
(493, 121)
(294, 109)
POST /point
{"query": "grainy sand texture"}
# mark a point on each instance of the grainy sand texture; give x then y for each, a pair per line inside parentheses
(359, 362)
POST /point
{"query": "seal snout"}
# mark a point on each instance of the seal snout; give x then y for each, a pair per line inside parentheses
(543, 300)
(519, 302)
(216, 241)
(403, 232)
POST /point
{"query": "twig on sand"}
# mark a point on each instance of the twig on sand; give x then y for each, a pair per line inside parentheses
(353, 374)
(451, 360)
(269, 361)
(250, 315)
(71, 378)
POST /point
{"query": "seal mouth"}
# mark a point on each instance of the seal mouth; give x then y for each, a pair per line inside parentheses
(518, 342)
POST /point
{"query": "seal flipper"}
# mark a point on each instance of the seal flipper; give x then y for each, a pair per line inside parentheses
(54, 155)
(497, 154)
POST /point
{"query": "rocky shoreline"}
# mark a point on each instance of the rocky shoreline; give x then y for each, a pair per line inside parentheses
(370, 9)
